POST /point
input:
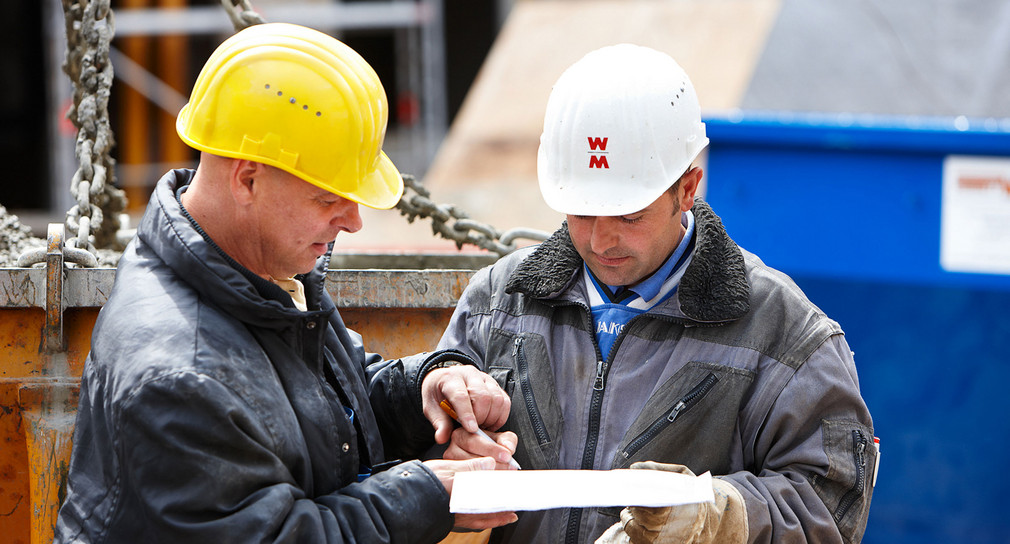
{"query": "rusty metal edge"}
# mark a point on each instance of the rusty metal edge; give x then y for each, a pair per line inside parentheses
(82, 287)
(370, 288)
(397, 288)
(23, 287)
(90, 288)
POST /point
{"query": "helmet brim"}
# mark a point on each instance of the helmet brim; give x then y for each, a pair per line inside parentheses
(384, 186)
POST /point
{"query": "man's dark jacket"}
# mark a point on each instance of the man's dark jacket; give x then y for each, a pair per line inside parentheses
(212, 410)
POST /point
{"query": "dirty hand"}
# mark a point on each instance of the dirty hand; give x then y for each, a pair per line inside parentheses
(446, 471)
(722, 522)
(476, 398)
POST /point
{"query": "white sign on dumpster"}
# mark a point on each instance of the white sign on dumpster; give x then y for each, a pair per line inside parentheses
(975, 215)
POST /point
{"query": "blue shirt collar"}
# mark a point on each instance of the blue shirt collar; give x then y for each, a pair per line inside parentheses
(650, 286)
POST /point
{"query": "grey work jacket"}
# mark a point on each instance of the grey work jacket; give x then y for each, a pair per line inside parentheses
(212, 410)
(738, 374)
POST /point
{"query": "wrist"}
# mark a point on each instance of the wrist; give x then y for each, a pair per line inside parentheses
(440, 359)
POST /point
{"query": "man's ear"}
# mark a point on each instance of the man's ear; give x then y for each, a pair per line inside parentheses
(242, 178)
(689, 184)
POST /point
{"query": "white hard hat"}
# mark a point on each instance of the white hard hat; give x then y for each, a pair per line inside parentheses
(622, 125)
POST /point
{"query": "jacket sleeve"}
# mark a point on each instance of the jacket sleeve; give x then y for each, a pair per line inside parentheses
(392, 386)
(809, 470)
(395, 396)
(204, 468)
(395, 385)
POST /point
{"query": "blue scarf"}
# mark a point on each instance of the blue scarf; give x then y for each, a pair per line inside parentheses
(614, 306)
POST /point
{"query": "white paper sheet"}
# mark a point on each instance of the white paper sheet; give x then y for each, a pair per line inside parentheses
(516, 490)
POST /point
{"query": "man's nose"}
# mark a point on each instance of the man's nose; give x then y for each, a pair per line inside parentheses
(347, 216)
(603, 236)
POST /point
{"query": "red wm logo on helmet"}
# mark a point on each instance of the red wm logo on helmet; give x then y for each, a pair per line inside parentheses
(598, 161)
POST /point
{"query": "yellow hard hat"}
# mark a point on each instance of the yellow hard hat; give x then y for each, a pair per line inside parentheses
(297, 99)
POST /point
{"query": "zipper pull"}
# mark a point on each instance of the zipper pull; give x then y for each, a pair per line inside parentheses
(861, 448)
(676, 411)
(515, 346)
(598, 384)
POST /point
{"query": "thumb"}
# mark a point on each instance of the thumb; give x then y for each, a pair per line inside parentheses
(480, 463)
(443, 426)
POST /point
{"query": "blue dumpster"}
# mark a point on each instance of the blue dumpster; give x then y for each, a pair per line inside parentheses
(899, 229)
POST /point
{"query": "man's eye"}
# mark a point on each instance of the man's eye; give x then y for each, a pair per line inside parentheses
(631, 219)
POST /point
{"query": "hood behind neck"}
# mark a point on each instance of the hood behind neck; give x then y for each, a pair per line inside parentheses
(182, 246)
(714, 287)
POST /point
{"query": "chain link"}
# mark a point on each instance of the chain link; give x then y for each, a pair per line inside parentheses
(90, 27)
(454, 224)
(242, 14)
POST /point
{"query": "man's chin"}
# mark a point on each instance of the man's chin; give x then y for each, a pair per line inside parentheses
(612, 274)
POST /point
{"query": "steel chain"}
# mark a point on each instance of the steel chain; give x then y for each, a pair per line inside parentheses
(90, 27)
(241, 14)
(454, 224)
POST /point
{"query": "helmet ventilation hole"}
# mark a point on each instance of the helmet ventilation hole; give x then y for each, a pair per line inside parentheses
(292, 100)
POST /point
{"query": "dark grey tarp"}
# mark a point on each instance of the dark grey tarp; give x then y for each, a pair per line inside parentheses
(900, 57)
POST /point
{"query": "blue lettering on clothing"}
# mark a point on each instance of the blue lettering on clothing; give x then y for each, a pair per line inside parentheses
(614, 306)
(610, 320)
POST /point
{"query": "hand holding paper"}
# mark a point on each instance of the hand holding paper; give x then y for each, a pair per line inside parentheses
(448, 472)
(723, 520)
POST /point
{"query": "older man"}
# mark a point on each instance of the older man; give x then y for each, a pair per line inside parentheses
(223, 399)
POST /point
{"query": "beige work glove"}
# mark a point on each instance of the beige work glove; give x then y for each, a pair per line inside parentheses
(722, 522)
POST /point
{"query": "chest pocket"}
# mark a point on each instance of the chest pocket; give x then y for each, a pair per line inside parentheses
(520, 365)
(691, 421)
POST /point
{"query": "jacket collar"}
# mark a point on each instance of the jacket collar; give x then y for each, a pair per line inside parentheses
(180, 244)
(714, 287)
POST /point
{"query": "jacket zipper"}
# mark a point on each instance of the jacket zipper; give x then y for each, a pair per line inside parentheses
(527, 389)
(595, 407)
(693, 397)
(859, 456)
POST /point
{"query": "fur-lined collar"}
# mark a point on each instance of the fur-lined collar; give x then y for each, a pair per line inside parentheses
(714, 287)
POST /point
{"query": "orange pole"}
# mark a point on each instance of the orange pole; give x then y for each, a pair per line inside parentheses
(132, 138)
(48, 411)
(172, 65)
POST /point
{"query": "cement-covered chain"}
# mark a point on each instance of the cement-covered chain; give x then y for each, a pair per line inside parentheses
(452, 223)
(90, 28)
(241, 14)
